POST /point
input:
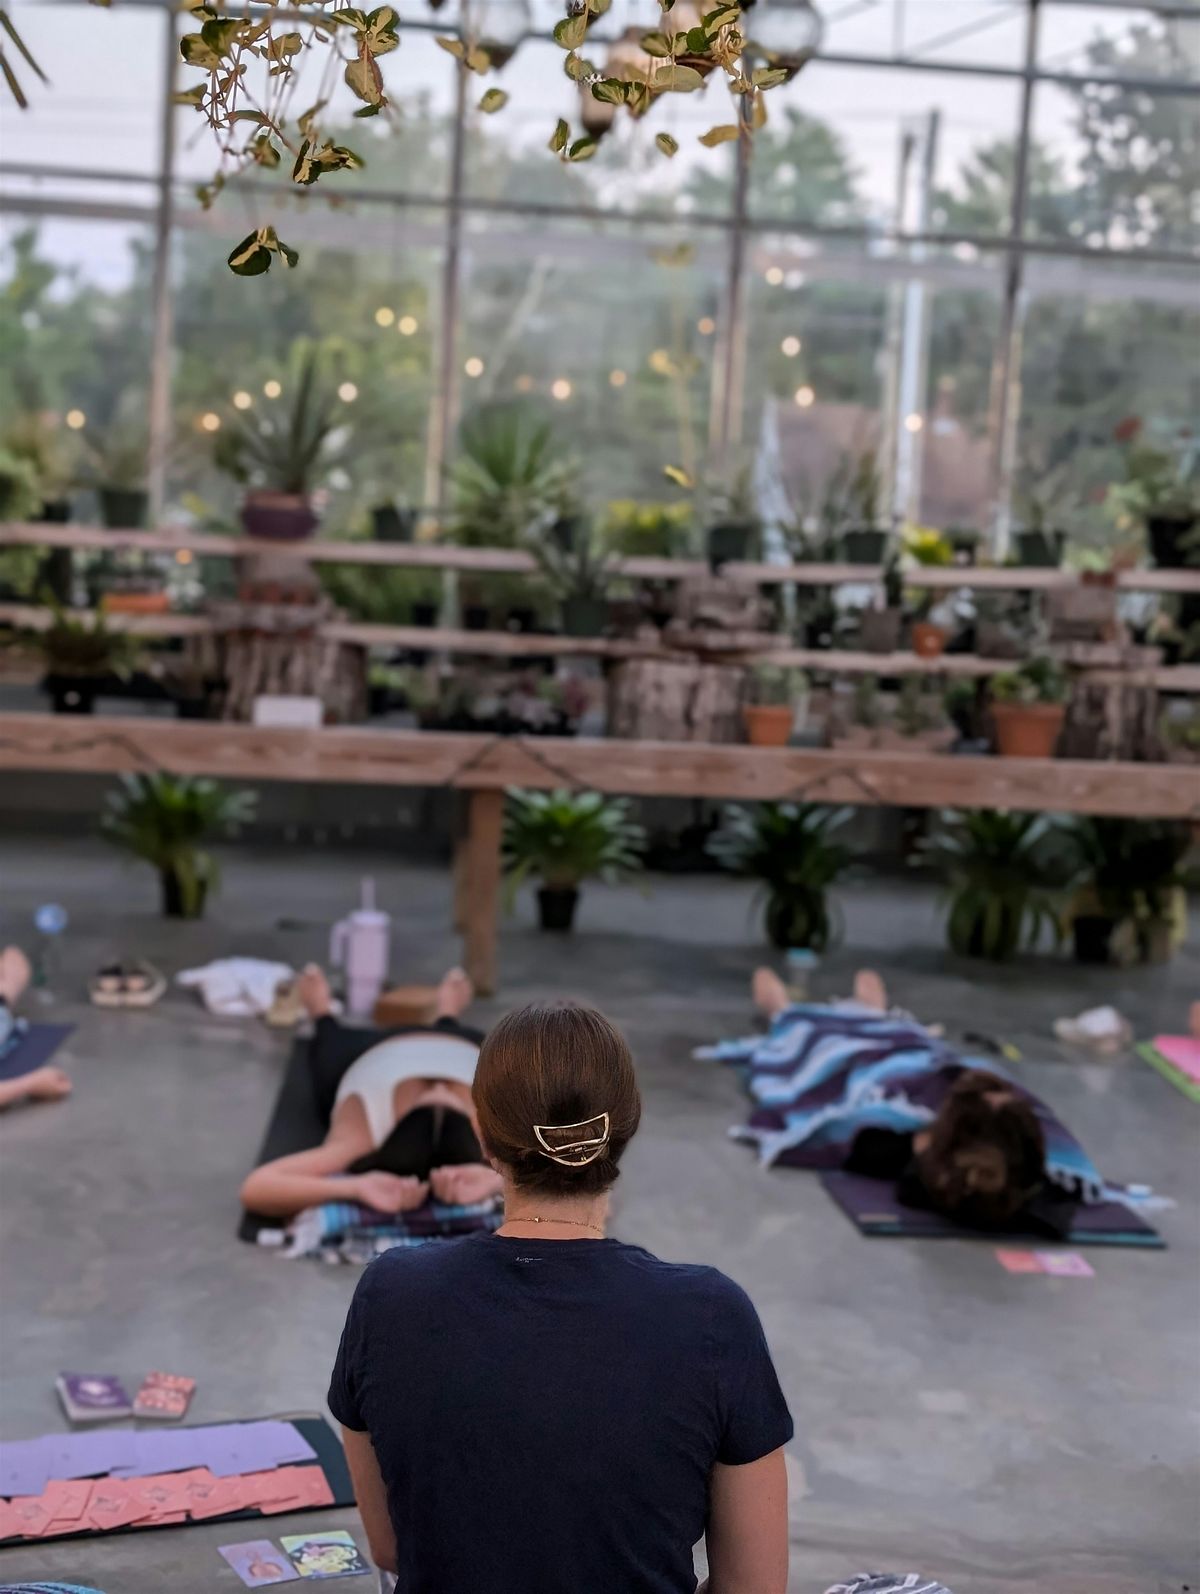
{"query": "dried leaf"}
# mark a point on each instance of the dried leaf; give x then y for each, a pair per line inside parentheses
(494, 100)
(363, 77)
(725, 134)
(666, 143)
(680, 477)
(452, 46)
(192, 96)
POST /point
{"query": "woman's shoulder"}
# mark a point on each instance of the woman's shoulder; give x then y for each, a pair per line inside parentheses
(690, 1281)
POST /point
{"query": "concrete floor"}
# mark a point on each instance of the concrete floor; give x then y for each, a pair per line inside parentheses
(999, 1432)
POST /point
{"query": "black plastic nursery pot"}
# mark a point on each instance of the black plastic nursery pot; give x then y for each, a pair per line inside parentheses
(556, 907)
(730, 543)
(54, 512)
(174, 905)
(584, 616)
(1040, 549)
(72, 694)
(389, 524)
(1092, 935)
(865, 546)
(123, 508)
(1167, 536)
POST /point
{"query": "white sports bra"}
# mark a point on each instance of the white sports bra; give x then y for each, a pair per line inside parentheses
(427, 1055)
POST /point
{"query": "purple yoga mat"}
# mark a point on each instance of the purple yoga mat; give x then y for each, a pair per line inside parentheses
(874, 1209)
(37, 1046)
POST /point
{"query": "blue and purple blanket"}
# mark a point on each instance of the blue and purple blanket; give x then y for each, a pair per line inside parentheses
(821, 1074)
(344, 1231)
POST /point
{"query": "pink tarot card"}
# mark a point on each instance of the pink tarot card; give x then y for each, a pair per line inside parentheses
(258, 1563)
(1018, 1261)
(1065, 1265)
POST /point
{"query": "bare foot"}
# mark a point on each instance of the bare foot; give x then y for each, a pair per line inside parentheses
(14, 974)
(870, 990)
(47, 1084)
(455, 994)
(769, 991)
(312, 989)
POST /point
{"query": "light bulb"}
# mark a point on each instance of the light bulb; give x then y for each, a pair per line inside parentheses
(272, 389)
(913, 423)
(384, 316)
(75, 419)
(406, 325)
(706, 326)
(242, 399)
(791, 347)
(210, 421)
(561, 389)
(805, 397)
(347, 392)
(617, 379)
(474, 366)
(774, 275)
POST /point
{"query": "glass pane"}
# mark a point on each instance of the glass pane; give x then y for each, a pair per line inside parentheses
(1119, 40)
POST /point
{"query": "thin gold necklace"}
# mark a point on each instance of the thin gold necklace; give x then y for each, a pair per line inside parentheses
(574, 1223)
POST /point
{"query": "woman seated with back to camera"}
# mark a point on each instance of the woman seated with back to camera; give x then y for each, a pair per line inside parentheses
(547, 1410)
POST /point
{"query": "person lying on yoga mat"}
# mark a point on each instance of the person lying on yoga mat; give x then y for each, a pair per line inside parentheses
(979, 1156)
(401, 1121)
(548, 1409)
(40, 1084)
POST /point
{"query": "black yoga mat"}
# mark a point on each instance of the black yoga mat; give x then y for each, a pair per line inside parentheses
(295, 1125)
(331, 1459)
(872, 1206)
(36, 1047)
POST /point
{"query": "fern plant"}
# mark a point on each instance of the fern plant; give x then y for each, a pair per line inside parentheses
(1005, 875)
(563, 838)
(793, 849)
(165, 820)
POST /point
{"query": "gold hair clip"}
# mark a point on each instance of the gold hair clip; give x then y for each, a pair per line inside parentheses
(575, 1153)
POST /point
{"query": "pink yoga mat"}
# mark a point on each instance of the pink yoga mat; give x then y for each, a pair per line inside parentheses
(1183, 1051)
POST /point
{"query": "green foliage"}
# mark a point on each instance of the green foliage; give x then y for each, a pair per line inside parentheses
(917, 709)
(563, 838)
(630, 529)
(1129, 868)
(87, 646)
(115, 452)
(165, 819)
(1004, 873)
(511, 480)
(1037, 681)
(1158, 485)
(292, 443)
(19, 495)
(51, 453)
(776, 684)
(573, 567)
(792, 848)
(866, 711)
(380, 595)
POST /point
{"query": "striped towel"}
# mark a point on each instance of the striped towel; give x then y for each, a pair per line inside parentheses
(888, 1583)
(344, 1231)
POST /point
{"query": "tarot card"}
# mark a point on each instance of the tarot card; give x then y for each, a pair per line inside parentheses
(1018, 1261)
(1065, 1265)
(258, 1563)
(330, 1554)
(92, 1397)
(165, 1397)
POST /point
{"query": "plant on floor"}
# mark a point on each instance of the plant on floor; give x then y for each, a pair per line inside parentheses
(794, 850)
(1005, 874)
(166, 819)
(1129, 877)
(512, 478)
(563, 838)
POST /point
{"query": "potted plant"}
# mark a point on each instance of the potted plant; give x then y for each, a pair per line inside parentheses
(49, 454)
(392, 523)
(863, 542)
(166, 819)
(1035, 543)
(80, 655)
(1180, 736)
(563, 838)
(777, 699)
(115, 456)
(1028, 709)
(1130, 876)
(861, 726)
(792, 848)
(1161, 495)
(920, 717)
(282, 450)
(1003, 880)
(20, 499)
(879, 629)
(633, 530)
(734, 531)
(576, 574)
(927, 547)
(511, 479)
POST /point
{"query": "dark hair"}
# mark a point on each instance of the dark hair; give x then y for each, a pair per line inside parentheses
(986, 1154)
(554, 1065)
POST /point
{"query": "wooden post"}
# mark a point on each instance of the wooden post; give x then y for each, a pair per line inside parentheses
(480, 898)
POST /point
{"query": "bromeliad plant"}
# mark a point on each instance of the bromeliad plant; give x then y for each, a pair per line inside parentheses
(165, 820)
(1005, 873)
(563, 838)
(794, 850)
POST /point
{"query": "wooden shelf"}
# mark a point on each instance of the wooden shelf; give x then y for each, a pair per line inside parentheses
(506, 561)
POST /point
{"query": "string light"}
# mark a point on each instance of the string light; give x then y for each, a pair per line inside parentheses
(805, 397)
(791, 347)
(706, 326)
(406, 325)
(242, 400)
(774, 275)
(210, 421)
(184, 556)
(347, 392)
(272, 389)
(913, 423)
(75, 419)
(561, 389)
(384, 316)
(474, 366)
(617, 379)
(524, 384)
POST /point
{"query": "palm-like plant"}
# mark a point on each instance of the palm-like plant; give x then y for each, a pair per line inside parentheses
(293, 443)
(563, 838)
(1004, 874)
(1129, 868)
(512, 478)
(164, 819)
(793, 849)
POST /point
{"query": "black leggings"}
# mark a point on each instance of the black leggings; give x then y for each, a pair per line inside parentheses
(427, 1137)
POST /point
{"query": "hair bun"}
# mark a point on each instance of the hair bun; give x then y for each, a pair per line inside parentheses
(574, 1145)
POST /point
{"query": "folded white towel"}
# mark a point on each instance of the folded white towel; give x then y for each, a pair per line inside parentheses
(236, 987)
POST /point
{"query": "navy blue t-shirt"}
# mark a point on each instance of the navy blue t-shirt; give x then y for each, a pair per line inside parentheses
(547, 1413)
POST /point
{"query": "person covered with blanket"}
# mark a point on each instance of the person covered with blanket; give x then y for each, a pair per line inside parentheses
(402, 1125)
(546, 1409)
(853, 1085)
(39, 1084)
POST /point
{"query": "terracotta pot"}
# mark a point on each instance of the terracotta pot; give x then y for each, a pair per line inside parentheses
(279, 517)
(1027, 730)
(928, 640)
(135, 603)
(768, 724)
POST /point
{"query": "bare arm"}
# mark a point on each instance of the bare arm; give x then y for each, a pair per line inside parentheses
(748, 1528)
(371, 1497)
(286, 1186)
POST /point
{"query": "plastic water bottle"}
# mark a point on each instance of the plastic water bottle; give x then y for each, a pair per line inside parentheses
(799, 964)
